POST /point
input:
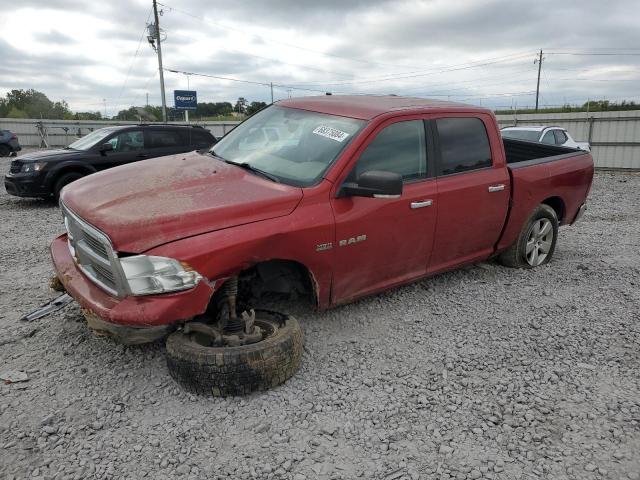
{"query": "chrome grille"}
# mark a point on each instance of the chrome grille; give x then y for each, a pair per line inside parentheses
(93, 253)
(96, 245)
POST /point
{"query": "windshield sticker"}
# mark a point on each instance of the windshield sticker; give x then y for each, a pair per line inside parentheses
(331, 133)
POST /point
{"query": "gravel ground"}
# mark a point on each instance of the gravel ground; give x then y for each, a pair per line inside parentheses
(486, 372)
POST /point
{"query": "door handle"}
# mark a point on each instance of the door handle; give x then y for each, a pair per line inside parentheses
(423, 203)
(496, 188)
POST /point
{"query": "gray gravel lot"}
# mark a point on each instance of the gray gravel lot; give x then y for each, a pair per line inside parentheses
(485, 372)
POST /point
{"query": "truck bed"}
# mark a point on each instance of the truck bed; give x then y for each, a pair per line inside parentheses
(519, 152)
(540, 173)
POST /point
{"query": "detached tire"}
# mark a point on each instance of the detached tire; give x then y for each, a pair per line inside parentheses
(224, 371)
(64, 180)
(537, 240)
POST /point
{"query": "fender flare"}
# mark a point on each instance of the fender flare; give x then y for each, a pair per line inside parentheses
(65, 167)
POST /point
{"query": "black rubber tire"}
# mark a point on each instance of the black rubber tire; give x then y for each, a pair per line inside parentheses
(4, 151)
(225, 371)
(514, 256)
(64, 180)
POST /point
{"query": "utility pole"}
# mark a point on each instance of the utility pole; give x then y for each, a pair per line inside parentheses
(539, 60)
(186, 112)
(105, 107)
(147, 99)
(159, 51)
(271, 85)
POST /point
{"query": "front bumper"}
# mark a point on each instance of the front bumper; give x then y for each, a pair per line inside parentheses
(136, 312)
(22, 185)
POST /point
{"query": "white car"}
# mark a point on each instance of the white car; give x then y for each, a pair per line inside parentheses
(548, 135)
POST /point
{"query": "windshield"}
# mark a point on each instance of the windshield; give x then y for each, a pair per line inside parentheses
(88, 141)
(529, 135)
(295, 146)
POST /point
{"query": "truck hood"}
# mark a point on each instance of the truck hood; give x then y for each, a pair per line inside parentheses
(149, 203)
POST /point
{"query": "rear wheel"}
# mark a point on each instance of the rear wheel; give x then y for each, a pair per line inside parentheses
(64, 180)
(4, 151)
(537, 240)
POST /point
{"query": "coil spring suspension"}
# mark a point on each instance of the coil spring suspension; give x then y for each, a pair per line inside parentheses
(232, 324)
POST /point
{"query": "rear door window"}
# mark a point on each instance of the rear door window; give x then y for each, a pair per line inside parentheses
(464, 145)
(549, 138)
(561, 137)
(201, 138)
(398, 148)
(165, 138)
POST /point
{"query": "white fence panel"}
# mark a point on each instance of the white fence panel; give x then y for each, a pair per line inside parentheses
(614, 136)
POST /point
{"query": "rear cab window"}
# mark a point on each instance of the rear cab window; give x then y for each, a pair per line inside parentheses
(464, 145)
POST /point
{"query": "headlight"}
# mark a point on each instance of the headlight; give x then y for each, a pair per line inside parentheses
(148, 275)
(32, 167)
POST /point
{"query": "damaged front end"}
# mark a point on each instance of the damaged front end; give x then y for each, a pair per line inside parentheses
(222, 325)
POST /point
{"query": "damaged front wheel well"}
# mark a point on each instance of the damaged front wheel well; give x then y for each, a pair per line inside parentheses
(278, 277)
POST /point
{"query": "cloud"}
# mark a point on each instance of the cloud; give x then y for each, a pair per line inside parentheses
(54, 37)
(479, 51)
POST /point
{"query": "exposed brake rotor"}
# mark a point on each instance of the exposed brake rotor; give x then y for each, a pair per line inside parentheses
(249, 333)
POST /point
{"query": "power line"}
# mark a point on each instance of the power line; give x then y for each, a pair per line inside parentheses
(598, 80)
(252, 82)
(268, 40)
(275, 85)
(484, 95)
(453, 68)
(475, 81)
(618, 54)
(271, 59)
(135, 54)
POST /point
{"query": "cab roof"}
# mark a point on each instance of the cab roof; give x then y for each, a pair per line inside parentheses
(366, 107)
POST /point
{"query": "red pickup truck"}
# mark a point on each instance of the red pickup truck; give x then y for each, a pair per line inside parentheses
(335, 196)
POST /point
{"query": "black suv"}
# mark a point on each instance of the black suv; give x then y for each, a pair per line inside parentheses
(43, 174)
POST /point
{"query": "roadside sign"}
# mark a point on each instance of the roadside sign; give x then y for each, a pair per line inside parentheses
(185, 99)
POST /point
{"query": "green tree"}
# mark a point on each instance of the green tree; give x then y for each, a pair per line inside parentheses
(241, 105)
(210, 109)
(17, 113)
(255, 107)
(87, 116)
(33, 104)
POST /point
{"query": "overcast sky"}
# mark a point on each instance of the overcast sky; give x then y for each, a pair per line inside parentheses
(479, 52)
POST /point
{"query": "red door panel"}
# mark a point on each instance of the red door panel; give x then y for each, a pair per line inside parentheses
(382, 242)
(470, 217)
